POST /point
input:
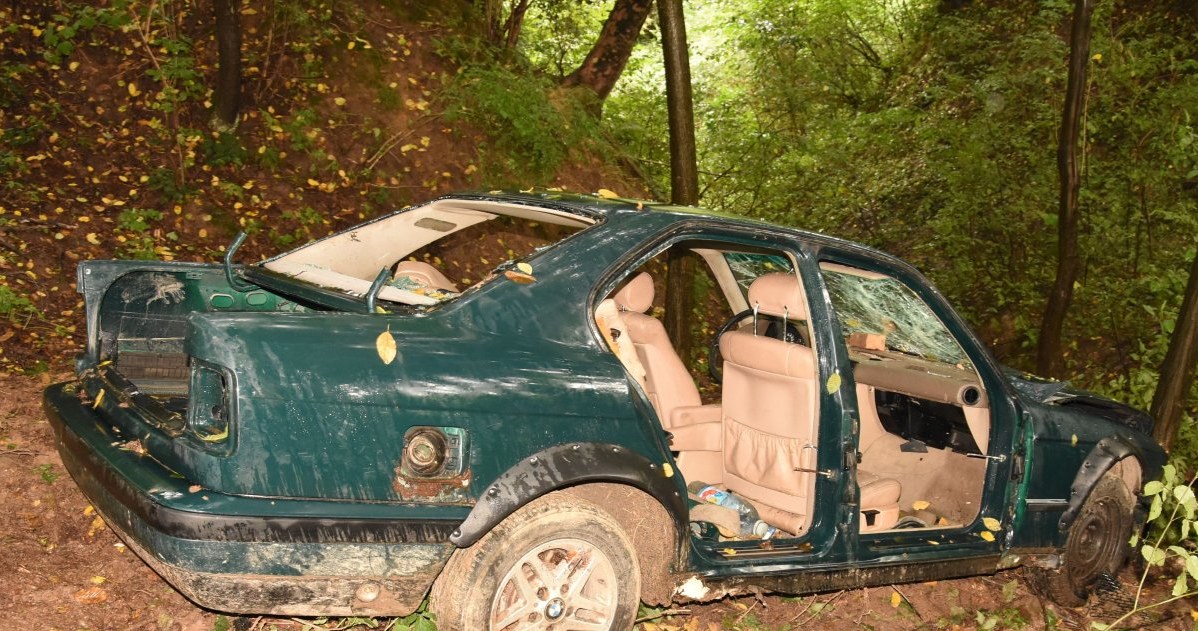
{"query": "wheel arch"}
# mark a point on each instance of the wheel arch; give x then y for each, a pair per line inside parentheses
(1113, 454)
(604, 474)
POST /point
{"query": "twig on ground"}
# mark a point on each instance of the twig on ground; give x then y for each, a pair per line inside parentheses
(662, 614)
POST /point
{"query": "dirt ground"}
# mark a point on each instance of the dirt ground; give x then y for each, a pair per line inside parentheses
(63, 569)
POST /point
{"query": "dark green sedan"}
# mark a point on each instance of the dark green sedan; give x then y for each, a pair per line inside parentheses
(355, 425)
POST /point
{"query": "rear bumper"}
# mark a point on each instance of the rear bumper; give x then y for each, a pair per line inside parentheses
(248, 555)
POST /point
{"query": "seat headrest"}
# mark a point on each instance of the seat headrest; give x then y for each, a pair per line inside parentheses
(637, 294)
(778, 294)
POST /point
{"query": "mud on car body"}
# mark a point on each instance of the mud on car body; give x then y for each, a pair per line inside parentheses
(346, 428)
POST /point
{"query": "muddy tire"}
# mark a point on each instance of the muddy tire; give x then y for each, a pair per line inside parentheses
(1097, 544)
(557, 563)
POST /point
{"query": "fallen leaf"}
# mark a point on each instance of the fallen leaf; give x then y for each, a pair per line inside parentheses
(987, 535)
(524, 267)
(920, 505)
(339, 100)
(93, 239)
(215, 438)
(606, 193)
(99, 399)
(992, 524)
(97, 580)
(91, 595)
(667, 469)
(519, 277)
(195, 488)
(834, 383)
(385, 345)
(133, 90)
(1073, 441)
(729, 552)
(895, 599)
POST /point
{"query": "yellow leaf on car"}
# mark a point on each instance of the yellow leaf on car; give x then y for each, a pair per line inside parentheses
(524, 267)
(606, 193)
(215, 438)
(1073, 441)
(987, 535)
(385, 345)
(833, 383)
(992, 524)
(920, 505)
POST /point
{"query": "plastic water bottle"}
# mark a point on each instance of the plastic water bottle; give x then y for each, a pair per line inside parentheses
(751, 523)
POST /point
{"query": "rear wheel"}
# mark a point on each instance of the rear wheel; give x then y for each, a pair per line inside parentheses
(558, 563)
(1097, 544)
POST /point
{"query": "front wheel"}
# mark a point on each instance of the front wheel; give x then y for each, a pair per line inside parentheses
(1097, 544)
(557, 563)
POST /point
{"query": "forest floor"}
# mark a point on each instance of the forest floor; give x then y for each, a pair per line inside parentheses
(63, 569)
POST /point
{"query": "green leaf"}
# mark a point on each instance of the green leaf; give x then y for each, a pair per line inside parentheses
(1154, 556)
(1099, 626)
(1183, 494)
(1179, 586)
(1192, 566)
(1153, 487)
(1169, 474)
(1154, 511)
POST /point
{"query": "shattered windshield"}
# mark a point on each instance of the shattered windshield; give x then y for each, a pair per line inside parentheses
(875, 304)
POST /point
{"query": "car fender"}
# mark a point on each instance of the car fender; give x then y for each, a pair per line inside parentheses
(1101, 458)
(567, 465)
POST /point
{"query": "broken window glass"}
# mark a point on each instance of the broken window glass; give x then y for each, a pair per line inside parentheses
(874, 304)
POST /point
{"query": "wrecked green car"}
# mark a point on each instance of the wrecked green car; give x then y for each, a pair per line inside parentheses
(356, 425)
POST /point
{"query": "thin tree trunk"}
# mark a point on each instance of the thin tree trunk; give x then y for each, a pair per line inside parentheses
(607, 58)
(684, 171)
(1177, 371)
(1048, 355)
(227, 91)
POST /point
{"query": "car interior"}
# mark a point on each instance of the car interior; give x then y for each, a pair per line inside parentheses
(924, 423)
(404, 244)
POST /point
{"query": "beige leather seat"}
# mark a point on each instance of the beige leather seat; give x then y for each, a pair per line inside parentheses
(769, 404)
(669, 386)
(424, 274)
(771, 423)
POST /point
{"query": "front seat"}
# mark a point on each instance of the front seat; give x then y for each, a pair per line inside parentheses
(771, 422)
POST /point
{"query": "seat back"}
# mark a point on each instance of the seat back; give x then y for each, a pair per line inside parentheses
(424, 274)
(769, 411)
(667, 382)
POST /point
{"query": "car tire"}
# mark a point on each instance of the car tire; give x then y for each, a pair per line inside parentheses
(1097, 544)
(557, 559)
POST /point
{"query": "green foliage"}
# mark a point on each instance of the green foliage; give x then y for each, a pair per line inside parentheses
(66, 30)
(224, 149)
(135, 224)
(14, 307)
(532, 124)
(46, 473)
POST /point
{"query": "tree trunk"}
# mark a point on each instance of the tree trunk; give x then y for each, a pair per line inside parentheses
(1048, 355)
(1177, 371)
(684, 172)
(603, 65)
(227, 91)
(514, 24)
